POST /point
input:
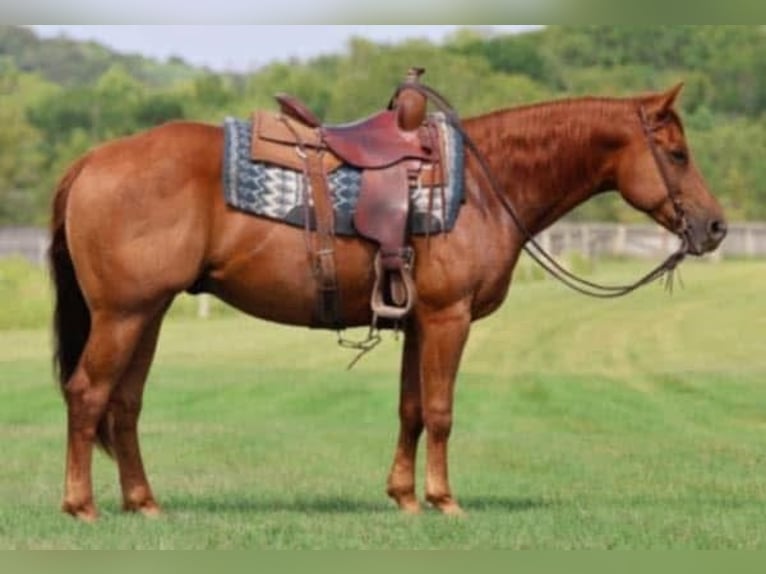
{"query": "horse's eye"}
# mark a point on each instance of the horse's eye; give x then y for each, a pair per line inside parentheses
(679, 156)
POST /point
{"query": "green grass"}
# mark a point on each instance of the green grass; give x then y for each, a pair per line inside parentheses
(637, 423)
(24, 295)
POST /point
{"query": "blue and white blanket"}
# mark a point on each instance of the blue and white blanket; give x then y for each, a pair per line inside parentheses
(281, 194)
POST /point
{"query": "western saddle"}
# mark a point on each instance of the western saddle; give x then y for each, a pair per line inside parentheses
(395, 149)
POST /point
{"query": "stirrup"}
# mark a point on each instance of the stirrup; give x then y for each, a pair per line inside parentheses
(380, 308)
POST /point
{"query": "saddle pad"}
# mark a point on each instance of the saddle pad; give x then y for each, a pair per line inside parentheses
(281, 194)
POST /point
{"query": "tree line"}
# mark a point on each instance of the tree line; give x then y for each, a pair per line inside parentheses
(60, 97)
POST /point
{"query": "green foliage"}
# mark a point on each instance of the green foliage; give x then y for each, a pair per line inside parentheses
(731, 156)
(25, 295)
(69, 121)
(733, 58)
(21, 158)
(509, 54)
(117, 105)
(209, 90)
(72, 63)
(155, 109)
(59, 97)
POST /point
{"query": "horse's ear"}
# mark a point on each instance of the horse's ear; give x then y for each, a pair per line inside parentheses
(665, 101)
(658, 106)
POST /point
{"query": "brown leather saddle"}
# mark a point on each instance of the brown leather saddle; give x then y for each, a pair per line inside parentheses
(396, 149)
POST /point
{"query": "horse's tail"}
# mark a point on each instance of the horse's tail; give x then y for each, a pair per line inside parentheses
(71, 316)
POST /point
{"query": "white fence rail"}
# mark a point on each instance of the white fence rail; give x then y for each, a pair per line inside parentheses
(588, 239)
(31, 243)
(645, 241)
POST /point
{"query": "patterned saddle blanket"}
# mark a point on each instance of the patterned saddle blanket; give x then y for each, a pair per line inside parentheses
(282, 194)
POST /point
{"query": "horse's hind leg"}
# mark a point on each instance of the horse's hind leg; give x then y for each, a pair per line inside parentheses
(108, 352)
(401, 480)
(123, 411)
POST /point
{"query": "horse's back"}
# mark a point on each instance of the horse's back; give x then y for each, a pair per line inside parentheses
(163, 159)
(165, 144)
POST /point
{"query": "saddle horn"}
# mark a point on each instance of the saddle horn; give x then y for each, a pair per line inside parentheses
(410, 104)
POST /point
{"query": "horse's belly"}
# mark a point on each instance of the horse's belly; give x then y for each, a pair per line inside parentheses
(265, 269)
(279, 285)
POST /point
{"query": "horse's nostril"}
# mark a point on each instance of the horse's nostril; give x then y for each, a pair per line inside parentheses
(717, 229)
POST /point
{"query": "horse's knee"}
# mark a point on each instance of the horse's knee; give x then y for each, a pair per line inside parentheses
(85, 401)
(76, 386)
(411, 416)
(438, 422)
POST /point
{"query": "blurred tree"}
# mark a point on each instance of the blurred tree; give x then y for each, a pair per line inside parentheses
(20, 164)
(73, 63)
(514, 54)
(116, 96)
(730, 155)
(210, 91)
(57, 115)
(157, 109)
(9, 75)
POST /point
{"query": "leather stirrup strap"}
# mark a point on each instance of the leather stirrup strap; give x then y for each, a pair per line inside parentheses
(328, 309)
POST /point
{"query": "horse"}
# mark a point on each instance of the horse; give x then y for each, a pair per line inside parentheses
(140, 219)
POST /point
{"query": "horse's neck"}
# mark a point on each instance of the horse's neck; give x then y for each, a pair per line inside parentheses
(549, 158)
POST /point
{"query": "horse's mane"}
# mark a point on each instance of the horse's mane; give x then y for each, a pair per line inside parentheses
(554, 144)
(570, 117)
(574, 117)
(567, 103)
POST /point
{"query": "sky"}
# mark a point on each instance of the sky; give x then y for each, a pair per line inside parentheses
(243, 48)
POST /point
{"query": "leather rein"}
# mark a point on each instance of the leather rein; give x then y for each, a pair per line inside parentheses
(533, 247)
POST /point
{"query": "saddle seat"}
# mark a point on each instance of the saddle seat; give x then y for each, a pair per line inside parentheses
(375, 142)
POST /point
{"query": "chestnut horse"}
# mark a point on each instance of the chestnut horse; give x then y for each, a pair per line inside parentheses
(141, 219)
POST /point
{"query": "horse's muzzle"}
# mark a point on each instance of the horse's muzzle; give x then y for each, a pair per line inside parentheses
(706, 235)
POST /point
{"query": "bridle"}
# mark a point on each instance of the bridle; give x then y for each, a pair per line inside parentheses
(682, 226)
(533, 248)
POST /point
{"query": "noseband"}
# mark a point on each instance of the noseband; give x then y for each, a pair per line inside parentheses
(533, 248)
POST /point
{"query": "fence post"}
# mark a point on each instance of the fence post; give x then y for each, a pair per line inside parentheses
(545, 240)
(42, 250)
(568, 238)
(203, 306)
(664, 240)
(545, 243)
(586, 241)
(620, 239)
(749, 242)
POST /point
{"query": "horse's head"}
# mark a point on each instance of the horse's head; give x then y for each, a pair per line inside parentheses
(656, 174)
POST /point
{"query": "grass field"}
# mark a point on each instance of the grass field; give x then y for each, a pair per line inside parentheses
(638, 423)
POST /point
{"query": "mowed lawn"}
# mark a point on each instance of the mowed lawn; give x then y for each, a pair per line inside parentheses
(638, 423)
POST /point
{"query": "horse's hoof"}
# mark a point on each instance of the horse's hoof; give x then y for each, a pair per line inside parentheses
(82, 512)
(407, 503)
(409, 506)
(447, 506)
(149, 509)
(452, 509)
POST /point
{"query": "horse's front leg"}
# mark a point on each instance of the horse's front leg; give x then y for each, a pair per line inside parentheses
(442, 336)
(401, 480)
